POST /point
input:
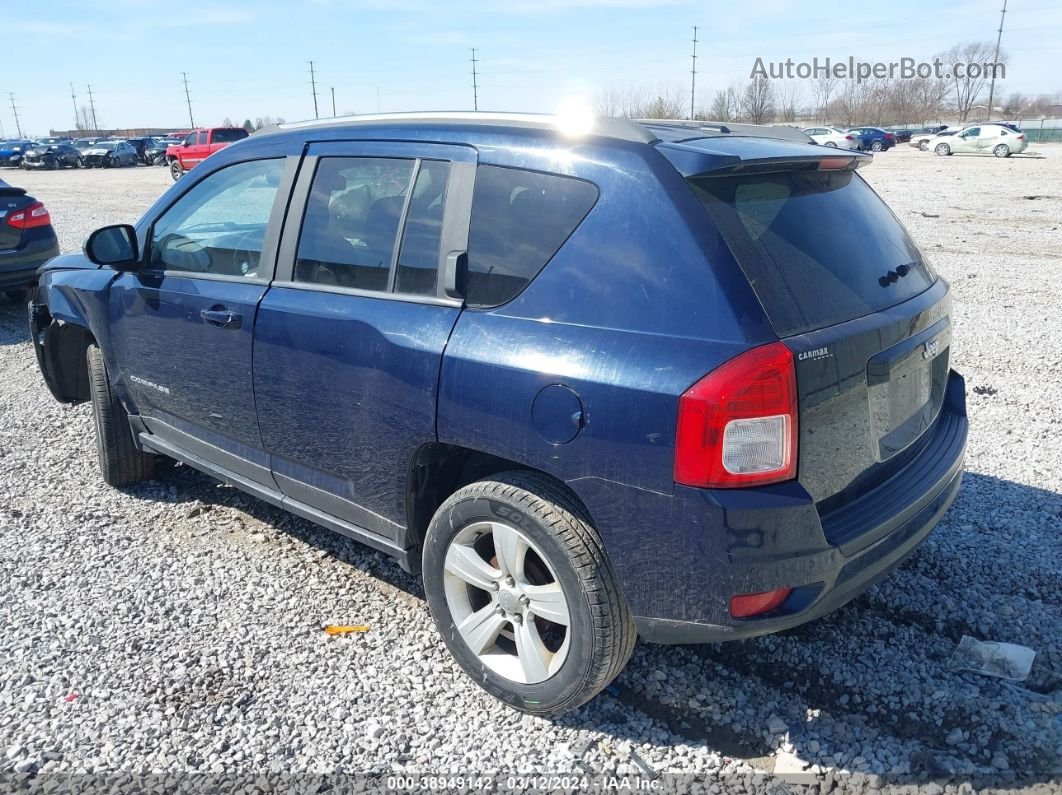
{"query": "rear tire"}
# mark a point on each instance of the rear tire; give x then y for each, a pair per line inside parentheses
(532, 663)
(121, 462)
(943, 150)
(831, 144)
(923, 146)
(1001, 151)
(877, 146)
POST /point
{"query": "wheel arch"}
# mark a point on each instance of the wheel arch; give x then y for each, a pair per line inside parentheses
(438, 469)
(60, 349)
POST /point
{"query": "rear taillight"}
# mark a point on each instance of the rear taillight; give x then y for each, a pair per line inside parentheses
(737, 426)
(32, 216)
(888, 136)
(1021, 137)
(849, 137)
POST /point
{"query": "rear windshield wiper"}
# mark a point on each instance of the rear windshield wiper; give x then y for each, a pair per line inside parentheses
(894, 276)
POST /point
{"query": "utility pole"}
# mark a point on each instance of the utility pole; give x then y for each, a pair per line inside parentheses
(995, 60)
(333, 102)
(77, 116)
(693, 73)
(188, 99)
(475, 82)
(14, 110)
(92, 107)
(313, 82)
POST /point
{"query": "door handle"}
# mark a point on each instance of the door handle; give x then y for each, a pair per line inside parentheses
(222, 318)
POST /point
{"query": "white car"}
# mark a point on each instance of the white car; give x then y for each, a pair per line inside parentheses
(995, 139)
(831, 136)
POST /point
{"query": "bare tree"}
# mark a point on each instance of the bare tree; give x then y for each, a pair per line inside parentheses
(824, 88)
(725, 105)
(788, 100)
(669, 103)
(757, 100)
(974, 55)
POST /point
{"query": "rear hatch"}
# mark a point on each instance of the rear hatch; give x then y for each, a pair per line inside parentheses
(11, 201)
(851, 295)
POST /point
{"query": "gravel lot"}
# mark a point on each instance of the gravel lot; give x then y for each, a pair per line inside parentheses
(175, 627)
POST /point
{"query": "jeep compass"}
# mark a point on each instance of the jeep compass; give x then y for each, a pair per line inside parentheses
(676, 380)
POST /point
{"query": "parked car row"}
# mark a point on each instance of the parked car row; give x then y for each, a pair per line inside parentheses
(58, 152)
(860, 139)
(1001, 140)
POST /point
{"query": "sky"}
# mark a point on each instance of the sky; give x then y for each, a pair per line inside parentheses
(251, 59)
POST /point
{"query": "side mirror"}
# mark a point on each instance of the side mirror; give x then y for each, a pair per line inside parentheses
(115, 247)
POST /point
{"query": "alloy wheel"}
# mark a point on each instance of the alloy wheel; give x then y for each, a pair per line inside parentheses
(506, 602)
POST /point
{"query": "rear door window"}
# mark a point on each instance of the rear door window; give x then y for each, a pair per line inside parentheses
(818, 247)
(519, 220)
(352, 220)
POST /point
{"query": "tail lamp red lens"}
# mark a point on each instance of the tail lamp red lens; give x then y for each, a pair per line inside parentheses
(33, 216)
(737, 426)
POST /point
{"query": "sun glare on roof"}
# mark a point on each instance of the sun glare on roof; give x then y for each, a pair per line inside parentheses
(575, 117)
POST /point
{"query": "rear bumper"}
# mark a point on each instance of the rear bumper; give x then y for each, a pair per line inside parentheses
(18, 268)
(775, 538)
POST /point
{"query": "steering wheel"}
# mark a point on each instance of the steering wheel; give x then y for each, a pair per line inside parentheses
(246, 253)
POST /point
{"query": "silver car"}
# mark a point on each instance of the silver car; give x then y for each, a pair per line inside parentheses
(984, 139)
(831, 136)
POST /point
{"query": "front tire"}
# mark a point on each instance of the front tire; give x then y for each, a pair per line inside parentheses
(1001, 151)
(943, 150)
(522, 592)
(176, 170)
(121, 462)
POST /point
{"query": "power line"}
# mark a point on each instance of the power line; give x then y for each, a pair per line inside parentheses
(14, 110)
(313, 82)
(693, 75)
(188, 99)
(475, 82)
(995, 60)
(92, 107)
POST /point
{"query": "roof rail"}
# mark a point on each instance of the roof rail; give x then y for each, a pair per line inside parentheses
(624, 129)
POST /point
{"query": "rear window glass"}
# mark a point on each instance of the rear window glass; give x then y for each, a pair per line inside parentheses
(818, 247)
(229, 136)
(519, 221)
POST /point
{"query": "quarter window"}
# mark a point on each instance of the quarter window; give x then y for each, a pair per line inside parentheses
(519, 221)
(218, 227)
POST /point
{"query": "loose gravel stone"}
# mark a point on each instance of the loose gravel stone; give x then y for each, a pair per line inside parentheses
(184, 617)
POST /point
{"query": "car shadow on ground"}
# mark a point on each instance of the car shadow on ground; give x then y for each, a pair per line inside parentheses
(809, 698)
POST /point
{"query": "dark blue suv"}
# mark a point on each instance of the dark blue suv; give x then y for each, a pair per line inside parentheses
(684, 381)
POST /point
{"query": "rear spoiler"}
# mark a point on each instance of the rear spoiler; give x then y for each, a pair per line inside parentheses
(10, 190)
(820, 161)
(723, 156)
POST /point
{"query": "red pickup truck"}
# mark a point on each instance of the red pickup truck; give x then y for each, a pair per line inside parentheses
(198, 145)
